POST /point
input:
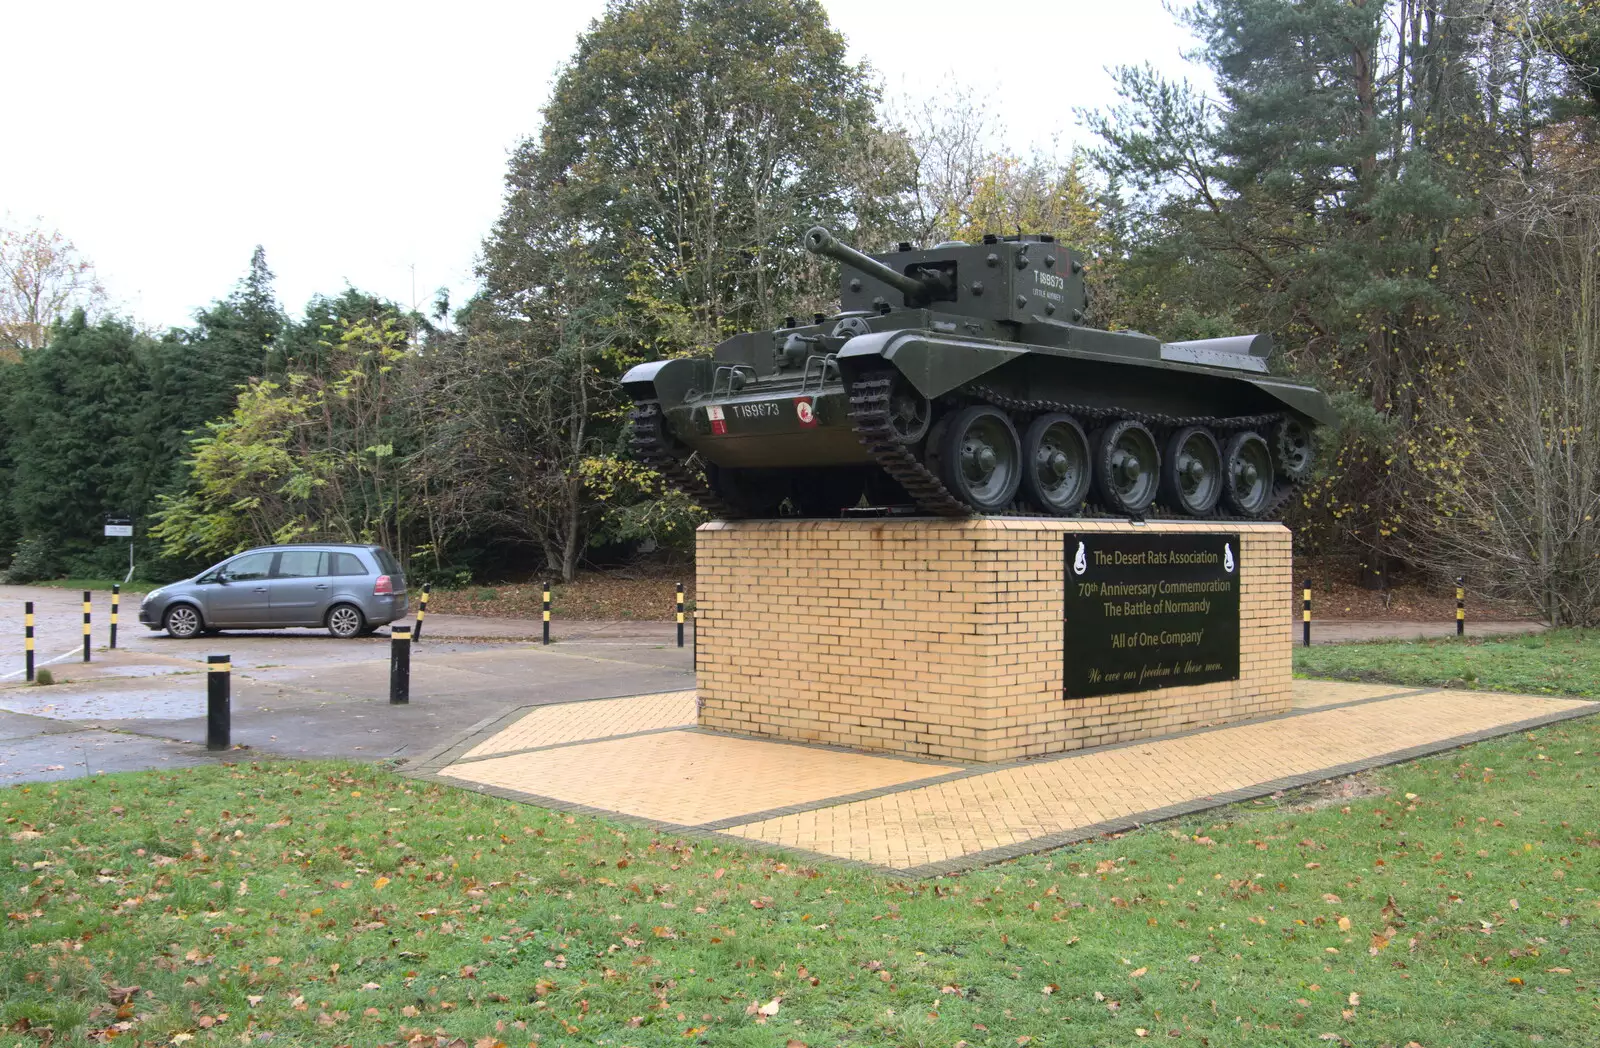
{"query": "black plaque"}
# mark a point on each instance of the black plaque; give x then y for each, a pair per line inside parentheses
(1152, 610)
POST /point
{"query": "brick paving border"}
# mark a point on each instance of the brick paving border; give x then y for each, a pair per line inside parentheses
(429, 768)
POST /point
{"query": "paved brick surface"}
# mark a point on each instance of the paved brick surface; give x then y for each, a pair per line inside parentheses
(690, 778)
(1314, 694)
(1002, 808)
(924, 817)
(597, 719)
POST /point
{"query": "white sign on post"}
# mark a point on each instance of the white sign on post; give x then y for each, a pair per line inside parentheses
(119, 528)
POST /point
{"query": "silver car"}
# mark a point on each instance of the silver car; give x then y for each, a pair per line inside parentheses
(349, 589)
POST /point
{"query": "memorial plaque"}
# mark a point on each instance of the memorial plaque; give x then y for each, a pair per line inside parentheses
(1156, 610)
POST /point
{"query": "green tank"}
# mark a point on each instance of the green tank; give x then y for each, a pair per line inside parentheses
(962, 379)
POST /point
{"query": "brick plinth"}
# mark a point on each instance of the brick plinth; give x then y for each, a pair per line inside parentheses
(944, 638)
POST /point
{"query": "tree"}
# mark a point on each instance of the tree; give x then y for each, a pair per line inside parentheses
(200, 371)
(316, 456)
(42, 277)
(685, 149)
(75, 438)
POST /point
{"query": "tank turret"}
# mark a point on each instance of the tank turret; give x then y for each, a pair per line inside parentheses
(961, 378)
(1013, 279)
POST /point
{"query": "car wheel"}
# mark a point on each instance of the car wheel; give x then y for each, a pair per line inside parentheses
(182, 621)
(346, 620)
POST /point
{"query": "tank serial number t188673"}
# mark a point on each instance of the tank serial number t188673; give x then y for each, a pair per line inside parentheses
(962, 379)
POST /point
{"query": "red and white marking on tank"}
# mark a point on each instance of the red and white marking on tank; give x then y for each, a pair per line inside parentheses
(719, 425)
(804, 410)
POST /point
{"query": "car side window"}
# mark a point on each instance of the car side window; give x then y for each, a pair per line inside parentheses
(345, 564)
(301, 564)
(249, 568)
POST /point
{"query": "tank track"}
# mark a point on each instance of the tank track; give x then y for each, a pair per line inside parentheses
(649, 445)
(869, 414)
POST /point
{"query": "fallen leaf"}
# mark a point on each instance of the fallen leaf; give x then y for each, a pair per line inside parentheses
(1137, 972)
(1140, 1031)
(1355, 999)
(770, 1008)
(380, 884)
(1344, 924)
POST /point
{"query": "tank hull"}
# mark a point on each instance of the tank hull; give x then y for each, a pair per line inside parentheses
(976, 405)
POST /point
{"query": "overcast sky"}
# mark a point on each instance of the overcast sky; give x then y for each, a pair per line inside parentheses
(365, 142)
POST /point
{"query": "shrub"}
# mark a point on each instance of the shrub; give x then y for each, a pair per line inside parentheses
(34, 559)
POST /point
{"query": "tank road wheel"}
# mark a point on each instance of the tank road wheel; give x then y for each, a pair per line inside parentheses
(1246, 474)
(979, 460)
(1294, 453)
(909, 411)
(1127, 466)
(1191, 472)
(1055, 454)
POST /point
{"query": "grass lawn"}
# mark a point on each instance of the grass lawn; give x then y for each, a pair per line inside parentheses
(1558, 662)
(1451, 902)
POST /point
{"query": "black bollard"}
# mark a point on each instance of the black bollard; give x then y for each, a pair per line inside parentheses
(399, 665)
(116, 604)
(547, 613)
(1461, 605)
(1305, 615)
(680, 614)
(422, 611)
(86, 597)
(219, 712)
(27, 639)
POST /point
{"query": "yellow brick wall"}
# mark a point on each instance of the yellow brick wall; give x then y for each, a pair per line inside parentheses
(944, 638)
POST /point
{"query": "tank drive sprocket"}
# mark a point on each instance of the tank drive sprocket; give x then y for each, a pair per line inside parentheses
(650, 446)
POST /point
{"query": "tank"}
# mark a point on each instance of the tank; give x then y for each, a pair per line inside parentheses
(963, 379)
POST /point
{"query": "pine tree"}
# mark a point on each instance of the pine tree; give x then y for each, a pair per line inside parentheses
(77, 440)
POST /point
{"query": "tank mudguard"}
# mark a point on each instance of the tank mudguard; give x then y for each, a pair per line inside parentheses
(667, 381)
(934, 366)
(1310, 402)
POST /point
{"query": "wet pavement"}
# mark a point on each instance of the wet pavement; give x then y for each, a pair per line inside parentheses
(295, 693)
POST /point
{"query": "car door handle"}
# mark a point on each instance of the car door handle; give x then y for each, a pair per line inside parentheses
(322, 585)
(259, 589)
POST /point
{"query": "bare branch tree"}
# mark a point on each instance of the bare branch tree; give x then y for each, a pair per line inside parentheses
(42, 276)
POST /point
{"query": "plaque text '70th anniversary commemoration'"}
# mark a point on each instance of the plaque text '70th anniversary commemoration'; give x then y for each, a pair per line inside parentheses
(1150, 611)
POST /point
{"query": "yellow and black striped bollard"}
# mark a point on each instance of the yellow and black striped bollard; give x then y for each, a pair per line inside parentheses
(27, 639)
(680, 614)
(1461, 605)
(399, 666)
(547, 613)
(116, 603)
(219, 712)
(1305, 616)
(422, 611)
(86, 606)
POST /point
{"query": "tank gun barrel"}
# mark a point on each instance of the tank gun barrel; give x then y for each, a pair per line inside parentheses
(821, 242)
